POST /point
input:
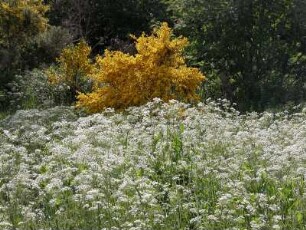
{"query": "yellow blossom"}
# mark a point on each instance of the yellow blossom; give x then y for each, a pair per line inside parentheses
(157, 70)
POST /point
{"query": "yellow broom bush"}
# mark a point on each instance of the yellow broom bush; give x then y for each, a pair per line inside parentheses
(73, 67)
(20, 20)
(157, 70)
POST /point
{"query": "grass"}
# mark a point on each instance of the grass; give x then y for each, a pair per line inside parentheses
(4, 114)
(158, 166)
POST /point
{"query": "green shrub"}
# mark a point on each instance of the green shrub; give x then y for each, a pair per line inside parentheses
(33, 90)
(46, 47)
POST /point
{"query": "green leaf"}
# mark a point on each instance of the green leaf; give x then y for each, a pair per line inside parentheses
(299, 217)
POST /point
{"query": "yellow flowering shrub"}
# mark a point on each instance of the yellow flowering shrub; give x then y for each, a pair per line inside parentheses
(72, 66)
(157, 70)
(20, 19)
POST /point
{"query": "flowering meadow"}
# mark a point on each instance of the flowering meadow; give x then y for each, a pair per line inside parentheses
(157, 166)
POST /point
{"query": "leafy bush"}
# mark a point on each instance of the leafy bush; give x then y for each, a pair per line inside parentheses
(33, 90)
(22, 18)
(44, 48)
(20, 22)
(157, 70)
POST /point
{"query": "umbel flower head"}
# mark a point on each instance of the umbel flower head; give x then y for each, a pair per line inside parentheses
(157, 70)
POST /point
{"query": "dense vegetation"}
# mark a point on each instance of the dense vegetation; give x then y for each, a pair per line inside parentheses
(252, 52)
(182, 137)
(157, 166)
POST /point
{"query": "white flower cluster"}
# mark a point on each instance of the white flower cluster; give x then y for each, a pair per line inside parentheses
(158, 166)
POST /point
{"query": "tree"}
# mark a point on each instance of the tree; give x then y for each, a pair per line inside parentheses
(246, 48)
(157, 70)
(101, 21)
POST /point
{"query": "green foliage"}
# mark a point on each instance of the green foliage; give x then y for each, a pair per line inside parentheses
(30, 89)
(20, 21)
(45, 47)
(101, 21)
(33, 90)
(247, 46)
(252, 51)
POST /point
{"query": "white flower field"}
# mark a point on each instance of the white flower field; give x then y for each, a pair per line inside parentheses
(158, 166)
